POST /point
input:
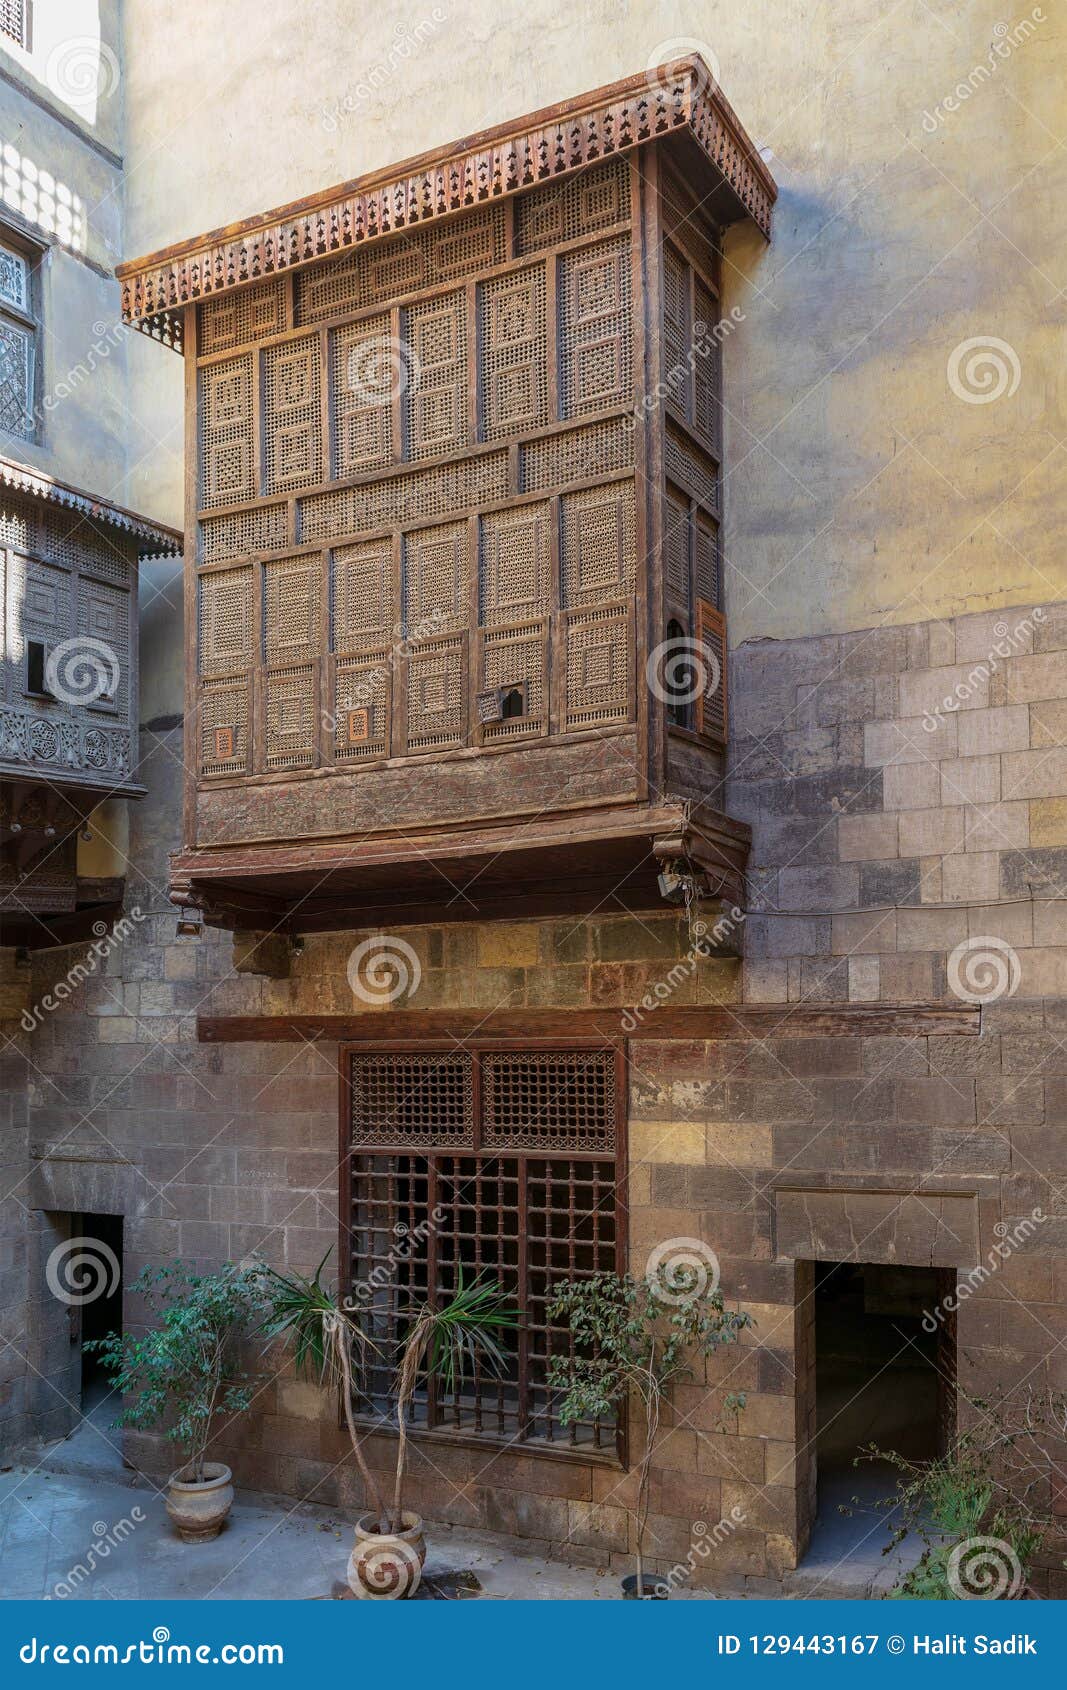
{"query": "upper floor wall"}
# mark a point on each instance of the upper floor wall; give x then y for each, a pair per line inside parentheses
(63, 348)
(862, 486)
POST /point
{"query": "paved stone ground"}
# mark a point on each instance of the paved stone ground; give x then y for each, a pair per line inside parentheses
(75, 1524)
(76, 1535)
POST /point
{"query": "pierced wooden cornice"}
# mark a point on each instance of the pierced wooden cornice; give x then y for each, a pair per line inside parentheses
(506, 160)
(20, 478)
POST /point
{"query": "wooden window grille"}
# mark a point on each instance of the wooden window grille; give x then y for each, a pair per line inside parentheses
(237, 319)
(596, 199)
(598, 546)
(514, 660)
(515, 564)
(512, 339)
(363, 610)
(435, 398)
(596, 328)
(361, 707)
(227, 456)
(599, 676)
(497, 1161)
(707, 374)
(15, 21)
(578, 454)
(292, 401)
(19, 338)
(363, 373)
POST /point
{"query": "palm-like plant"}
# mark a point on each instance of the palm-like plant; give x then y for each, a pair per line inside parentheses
(328, 1347)
(331, 1348)
(442, 1342)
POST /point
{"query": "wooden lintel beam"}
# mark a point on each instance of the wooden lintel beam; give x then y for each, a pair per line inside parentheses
(712, 1021)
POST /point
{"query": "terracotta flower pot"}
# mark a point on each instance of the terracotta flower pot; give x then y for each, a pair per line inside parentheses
(198, 1507)
(386, 1566)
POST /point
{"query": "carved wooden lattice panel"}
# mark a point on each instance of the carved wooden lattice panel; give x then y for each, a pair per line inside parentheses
(225, 727)
(364, 368)
(362, 698)
(691, 468)
(292, 402)
(549, 1100)
(291, 711)
(514, 661)
(596, 328)
(291, 609)
(599, 672)
(407, 263)
(39, 601)
(235, 319)
(435, 397)
(70, 539)
(436, 580)
(437, 715)
(596, 199)
(577, 454)
(397, 500)
(598, 548)
(412, 1099)
(363, 611)
(103, 615)
(515, 563)
(227, 456)
(244, 533)
(225, 621)
(513, 353)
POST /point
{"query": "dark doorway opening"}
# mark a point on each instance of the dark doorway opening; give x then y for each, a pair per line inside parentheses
(884, 1370)
(101, 1312)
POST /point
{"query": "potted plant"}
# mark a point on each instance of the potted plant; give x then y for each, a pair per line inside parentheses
(441, 1342)
(184, 1374)
(633, 1339)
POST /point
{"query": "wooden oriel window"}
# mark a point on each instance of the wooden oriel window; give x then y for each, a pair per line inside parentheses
(484, 1159)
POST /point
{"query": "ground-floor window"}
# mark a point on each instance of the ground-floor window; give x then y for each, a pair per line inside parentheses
(482, 1160)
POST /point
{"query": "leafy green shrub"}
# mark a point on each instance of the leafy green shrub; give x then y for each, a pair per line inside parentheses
(183, 1373)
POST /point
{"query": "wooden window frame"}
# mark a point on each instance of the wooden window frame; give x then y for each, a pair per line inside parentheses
(28, 318)
(563, 1446)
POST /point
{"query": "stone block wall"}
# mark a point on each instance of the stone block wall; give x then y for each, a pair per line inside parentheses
(769, 1151)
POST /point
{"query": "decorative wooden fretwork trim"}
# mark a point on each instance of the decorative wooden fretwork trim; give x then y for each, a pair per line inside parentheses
(21, 479)
(506, 160)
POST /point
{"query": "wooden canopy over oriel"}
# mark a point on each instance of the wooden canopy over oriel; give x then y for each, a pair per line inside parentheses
(681, 98)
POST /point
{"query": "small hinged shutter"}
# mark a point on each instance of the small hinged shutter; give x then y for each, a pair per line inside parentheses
(711, 705)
